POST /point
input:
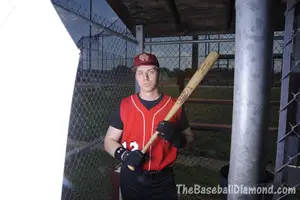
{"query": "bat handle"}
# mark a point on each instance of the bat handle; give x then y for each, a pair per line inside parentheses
(146, 147)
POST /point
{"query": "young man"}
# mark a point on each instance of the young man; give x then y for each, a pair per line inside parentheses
(132, 125)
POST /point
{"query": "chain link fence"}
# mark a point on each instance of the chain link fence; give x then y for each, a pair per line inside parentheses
(210, 108)
(287, 173)
(176, 55)
(103, 79)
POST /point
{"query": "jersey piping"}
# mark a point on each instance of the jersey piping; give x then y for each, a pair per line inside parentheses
(144, 121)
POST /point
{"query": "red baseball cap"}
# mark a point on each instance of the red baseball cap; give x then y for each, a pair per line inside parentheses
(145, 59)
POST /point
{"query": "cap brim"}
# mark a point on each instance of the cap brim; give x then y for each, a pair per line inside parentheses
(133, 68)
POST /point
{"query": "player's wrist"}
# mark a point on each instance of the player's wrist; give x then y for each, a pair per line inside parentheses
(125, 155)
(121, 153)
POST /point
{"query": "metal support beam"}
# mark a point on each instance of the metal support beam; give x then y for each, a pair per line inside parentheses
(195, 53)
(140, 36)
(199, 41)
(252, 92)
(90, 36)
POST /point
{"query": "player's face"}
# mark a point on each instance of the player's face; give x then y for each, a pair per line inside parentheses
(147, 77)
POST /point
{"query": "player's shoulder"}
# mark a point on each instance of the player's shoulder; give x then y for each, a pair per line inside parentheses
(126, 103)
(127, 99)
(170, 98)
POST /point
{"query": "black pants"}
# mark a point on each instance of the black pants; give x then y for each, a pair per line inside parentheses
(160, 186)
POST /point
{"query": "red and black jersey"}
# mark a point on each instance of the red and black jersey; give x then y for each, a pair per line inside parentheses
(139, 124)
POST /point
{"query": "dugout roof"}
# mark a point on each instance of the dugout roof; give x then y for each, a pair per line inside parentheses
(164, 18)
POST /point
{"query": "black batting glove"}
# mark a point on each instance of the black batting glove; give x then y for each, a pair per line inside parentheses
(132, 158)
(168, 131)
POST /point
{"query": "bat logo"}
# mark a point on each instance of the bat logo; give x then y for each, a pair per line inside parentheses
(184, 95)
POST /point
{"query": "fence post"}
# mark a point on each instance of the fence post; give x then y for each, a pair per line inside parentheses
(195, 53)
(252, 88)
(140, 47)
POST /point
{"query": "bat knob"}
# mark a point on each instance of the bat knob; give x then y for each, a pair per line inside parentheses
(130, 167)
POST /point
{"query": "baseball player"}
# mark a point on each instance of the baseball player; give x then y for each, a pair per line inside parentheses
(136, 118)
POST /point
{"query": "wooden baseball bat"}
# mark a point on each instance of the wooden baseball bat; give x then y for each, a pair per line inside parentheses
(205, 66)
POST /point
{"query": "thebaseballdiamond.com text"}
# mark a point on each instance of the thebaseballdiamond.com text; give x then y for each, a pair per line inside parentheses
(233, 189)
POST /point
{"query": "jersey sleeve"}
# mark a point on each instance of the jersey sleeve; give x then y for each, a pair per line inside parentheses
(116, 120)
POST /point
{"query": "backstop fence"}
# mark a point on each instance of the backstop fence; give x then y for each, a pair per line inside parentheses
(104, 78)
(287, 171)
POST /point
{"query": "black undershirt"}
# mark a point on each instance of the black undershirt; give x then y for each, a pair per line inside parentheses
(116, 121)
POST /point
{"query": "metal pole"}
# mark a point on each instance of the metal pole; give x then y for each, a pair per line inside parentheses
(140, 46)
(98, 59)
(252, 89)
(126, 53)
(151, 46)
(206, 48)
(195, 53)
(90, 38)
(179, 54)
(208, 45)
(102, 54)
(218, 62)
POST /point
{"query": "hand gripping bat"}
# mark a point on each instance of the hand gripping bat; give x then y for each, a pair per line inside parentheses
(205, 66)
